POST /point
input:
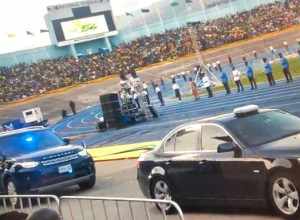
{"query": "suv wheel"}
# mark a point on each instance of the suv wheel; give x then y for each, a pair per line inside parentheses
(160, 189)
(88, 184)
(284, 195)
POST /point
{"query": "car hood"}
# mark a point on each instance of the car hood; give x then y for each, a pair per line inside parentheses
(50, 153)
(284, 148)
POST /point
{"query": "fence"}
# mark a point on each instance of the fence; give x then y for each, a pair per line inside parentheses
(27, 204)
(92, 208)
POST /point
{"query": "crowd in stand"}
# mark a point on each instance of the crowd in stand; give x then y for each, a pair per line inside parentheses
(24, 80)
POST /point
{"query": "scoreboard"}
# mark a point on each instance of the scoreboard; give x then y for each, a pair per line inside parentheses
(79, 22)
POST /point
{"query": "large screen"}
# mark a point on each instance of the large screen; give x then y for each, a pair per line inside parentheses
(83, 27)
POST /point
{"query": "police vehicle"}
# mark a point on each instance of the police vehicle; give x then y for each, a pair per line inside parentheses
(250, 157)
(35, 160)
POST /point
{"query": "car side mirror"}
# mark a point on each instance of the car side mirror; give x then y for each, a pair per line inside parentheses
(67, 141)
(226, 147)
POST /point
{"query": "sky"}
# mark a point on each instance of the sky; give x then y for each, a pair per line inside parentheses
(19, 16)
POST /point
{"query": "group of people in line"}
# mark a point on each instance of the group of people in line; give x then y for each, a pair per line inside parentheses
(207, 83)
(217, 69)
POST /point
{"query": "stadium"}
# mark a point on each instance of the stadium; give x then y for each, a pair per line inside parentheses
(108, 107)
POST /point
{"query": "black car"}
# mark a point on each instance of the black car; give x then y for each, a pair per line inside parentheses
(250, 157)
(35, 160)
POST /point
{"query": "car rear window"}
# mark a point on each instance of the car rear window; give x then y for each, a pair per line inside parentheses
(264, 127)
(28, 142)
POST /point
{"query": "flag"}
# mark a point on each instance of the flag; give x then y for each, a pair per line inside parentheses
(188, 1)
(145, 10)
(129, 14)
(29, 33)
(44, 31)
(173, 4)
(11, 35)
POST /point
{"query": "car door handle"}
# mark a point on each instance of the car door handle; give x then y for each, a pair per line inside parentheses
(202, 162)
(168, 162)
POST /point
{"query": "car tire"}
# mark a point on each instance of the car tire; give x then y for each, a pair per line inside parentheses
(88, 184)
(284, 195)
(11, 189)
(160, 189)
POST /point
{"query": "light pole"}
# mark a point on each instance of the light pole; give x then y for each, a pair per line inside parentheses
(148, 33)
(173, 5)
(159, 16)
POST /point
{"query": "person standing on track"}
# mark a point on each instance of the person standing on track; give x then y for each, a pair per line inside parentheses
(250, 75)
(162, 82)
(159, 95)
(237, 79)
(145, 87)
(207, 85)
(285, 68)
(184, 76)
(176, 89)
(146, 95)
(225, 81)
(73, 107)
(194, 89)
(136, 99)
(269, 72)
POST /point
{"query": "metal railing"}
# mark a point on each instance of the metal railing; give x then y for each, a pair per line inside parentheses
(106, 208)
(27, 204)
(91, 208)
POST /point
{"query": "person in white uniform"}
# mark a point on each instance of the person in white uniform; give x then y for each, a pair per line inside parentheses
(207, 85)
(176, 89)
(159, 95)
(236, 74)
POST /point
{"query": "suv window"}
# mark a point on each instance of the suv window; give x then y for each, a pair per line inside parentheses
(186, 139)
(212, 137)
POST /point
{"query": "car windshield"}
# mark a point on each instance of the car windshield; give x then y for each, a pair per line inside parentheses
(28, 142)
(265, 127)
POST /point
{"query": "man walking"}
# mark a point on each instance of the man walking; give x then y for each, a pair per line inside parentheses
(269, 72)
(250, 75)
(176, 89)
(72, 107)
(136, 99)
(194, 89)
(145, 87)
(145, 93)
(225, 81)
(237, 79)
(159, 95)
(207, 85)
(285, 68)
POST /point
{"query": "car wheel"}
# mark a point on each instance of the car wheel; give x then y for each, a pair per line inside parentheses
(160, 189)
(11, 190)
(88, 184)
(284, 195)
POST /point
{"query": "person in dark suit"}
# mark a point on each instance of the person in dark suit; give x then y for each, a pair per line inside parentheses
(73, 107)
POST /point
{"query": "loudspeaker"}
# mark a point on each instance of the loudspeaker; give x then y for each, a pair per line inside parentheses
(111, 110)
(108, 98)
